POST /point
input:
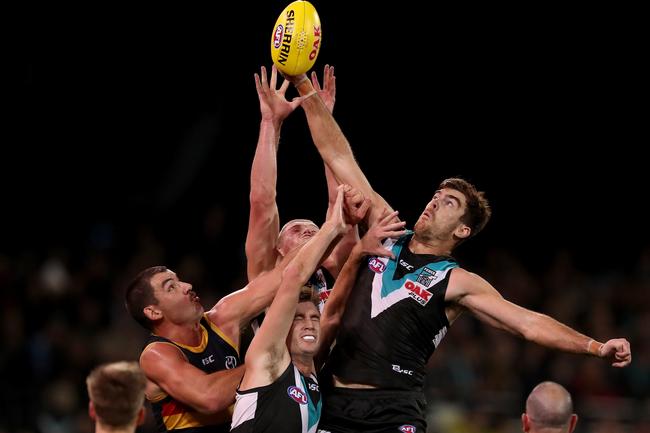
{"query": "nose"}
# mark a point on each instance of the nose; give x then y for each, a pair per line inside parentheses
(187, 288)
(309, 325)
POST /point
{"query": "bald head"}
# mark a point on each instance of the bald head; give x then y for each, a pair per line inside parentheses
(549, 408)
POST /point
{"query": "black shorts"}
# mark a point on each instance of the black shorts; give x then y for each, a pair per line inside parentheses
(348, 410)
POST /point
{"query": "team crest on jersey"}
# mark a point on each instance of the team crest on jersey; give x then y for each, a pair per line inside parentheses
(418, 292)
(376, 265)
(297, 395)
(231, 362)
(407, 428)
(427, 277)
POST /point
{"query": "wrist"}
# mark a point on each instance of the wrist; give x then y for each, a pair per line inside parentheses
(594, 347)
(304, 86)
(274, 122)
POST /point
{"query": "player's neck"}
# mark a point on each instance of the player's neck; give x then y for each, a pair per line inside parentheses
(304, 363)
(100, 428)
(419, 245)
(187, 334)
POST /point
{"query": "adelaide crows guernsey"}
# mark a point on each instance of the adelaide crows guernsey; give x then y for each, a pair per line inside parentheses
(215, 352)
(291, 404)
(394, 320)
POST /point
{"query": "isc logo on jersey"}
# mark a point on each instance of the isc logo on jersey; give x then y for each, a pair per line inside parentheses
(417, 292)
(297, 395)
(376, 265)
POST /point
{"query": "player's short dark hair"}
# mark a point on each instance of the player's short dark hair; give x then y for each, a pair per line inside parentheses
(139, 294)
(478, 210)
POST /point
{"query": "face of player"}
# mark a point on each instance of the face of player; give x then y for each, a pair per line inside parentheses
(294, 234)
(441, 217)
(177, 302)
(303, 338)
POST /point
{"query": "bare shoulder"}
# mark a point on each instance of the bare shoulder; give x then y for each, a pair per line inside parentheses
(159, 356)
(462, 283)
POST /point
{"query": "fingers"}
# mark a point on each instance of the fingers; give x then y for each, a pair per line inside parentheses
(258, 85)
(265, 83)
(314, 81)
(361, 212)
(283, 87)
(274, 77)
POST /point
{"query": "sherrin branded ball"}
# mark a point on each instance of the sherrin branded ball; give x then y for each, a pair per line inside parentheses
(296, 38)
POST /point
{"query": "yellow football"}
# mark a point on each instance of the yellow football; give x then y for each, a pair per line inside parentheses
(296, 38)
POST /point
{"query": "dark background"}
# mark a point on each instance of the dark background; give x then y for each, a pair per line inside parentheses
(128, 115)
(130, 133)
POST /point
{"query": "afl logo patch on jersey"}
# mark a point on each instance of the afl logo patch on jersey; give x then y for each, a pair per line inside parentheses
(297, 395)
(407, 428)
(376, 265)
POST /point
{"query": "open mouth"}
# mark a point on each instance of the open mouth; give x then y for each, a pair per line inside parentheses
(309, 338)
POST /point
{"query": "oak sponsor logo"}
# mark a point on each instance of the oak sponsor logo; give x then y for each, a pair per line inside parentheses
(314, 50)
(417, 292)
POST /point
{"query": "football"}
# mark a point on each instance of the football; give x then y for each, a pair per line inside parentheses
(296, 38)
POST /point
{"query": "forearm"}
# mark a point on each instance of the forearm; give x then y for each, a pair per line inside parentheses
(222, 387)
(264, 169)
(326, 134)
(311, 254)
(335, 305)
(546, 331)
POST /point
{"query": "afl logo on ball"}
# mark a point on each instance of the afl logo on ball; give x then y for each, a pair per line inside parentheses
(277, 36)
(297, 395)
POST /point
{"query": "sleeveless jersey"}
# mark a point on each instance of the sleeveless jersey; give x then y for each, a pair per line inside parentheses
(291, 404)
(394, 320)
(215, 352)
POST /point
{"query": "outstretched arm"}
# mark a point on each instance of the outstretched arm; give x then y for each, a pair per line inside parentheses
(165, 365)
(340, 253)
(268, 355)
(235, 311)
(369, 245)
(334, 147)
(264, 221)
(478, 296)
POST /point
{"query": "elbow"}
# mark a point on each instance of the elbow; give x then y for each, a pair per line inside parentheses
(531, 326)
(262, 197)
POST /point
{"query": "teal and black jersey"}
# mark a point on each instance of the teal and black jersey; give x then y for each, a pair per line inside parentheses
(291, 404)
(394, 320)
(216, 352)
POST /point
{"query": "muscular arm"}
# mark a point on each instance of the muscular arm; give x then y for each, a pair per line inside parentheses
(341, 251)
(335, 149)
(268, 355)
(264, 221)
(236, 310)
(166, 366)
(478, 296)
